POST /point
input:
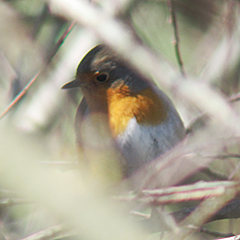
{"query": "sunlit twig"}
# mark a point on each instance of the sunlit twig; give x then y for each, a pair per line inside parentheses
(176, 36)
(29, 84)
(49, 233)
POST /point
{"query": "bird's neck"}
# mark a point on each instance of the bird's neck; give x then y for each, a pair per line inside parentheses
(123, 105)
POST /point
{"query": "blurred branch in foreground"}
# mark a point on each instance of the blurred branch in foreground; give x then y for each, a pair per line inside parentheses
(147, 63)
(25, 89)
(40, 167)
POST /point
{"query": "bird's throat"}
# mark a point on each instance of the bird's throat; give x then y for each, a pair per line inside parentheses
(123, 105)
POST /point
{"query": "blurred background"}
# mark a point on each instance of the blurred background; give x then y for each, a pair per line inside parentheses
(40, 126)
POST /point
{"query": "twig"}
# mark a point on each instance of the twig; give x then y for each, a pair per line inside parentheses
(29, 84)
(176, 36)
(214, 175)
(214, 233)
(204, 212)
(191, 192)
(237, 237)
(229, 155)
(9, 202)
(229, 211)
(49, 233)
(234, 97)
(201, 116)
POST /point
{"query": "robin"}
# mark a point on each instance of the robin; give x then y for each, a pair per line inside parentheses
(142, 120)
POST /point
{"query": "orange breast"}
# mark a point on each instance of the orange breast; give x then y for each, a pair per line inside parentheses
(123, 105)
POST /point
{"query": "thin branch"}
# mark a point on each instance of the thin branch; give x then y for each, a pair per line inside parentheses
(214, 175)
(191, 192)
(237, 237)
(214, 233)
(229, 211)
(49, 233)
(176, 36)
(29, 84)
(204, 212)
(203, 116)
(229, 155)
(9, 202)
(21, 94)
(234, 97)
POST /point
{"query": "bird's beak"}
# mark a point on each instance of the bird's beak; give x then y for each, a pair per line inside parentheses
(72, 84)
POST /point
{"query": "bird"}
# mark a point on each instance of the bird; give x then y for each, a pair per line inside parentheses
(142, 121)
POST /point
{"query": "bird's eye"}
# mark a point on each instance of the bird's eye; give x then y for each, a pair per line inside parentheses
(102, 77)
